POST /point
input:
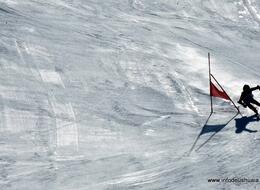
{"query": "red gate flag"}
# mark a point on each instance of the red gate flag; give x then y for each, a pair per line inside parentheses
(214, 91)
(218, 92)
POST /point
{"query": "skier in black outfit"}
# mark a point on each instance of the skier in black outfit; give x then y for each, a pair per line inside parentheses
(247, 98)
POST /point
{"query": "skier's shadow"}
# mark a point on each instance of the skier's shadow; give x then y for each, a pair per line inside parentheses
(210, 129)
(242, 122)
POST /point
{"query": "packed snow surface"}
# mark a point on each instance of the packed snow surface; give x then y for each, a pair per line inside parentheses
(113, 94)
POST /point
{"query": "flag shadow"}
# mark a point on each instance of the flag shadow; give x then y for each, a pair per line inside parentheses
(210, 129)
(242, 122)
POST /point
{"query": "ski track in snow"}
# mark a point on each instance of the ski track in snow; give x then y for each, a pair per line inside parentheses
(65, 124)
(252, 10)
(113, 94)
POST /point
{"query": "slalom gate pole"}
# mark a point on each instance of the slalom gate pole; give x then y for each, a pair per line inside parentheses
(227, 95)
(211, 104)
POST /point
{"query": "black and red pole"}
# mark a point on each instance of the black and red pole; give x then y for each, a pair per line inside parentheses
(211, 104)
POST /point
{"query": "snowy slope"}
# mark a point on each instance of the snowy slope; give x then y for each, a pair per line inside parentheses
(106, 95)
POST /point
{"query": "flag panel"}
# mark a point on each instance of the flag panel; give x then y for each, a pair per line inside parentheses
(214, 91)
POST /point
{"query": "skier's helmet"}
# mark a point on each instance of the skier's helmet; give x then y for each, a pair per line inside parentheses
(246, 87)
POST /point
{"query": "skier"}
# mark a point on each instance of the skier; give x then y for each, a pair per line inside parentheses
(247, 98)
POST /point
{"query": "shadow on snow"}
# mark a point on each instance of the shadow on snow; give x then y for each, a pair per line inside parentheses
(241, 124)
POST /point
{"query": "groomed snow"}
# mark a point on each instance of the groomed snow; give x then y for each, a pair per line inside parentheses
(113, 95)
